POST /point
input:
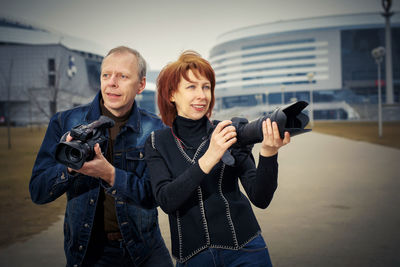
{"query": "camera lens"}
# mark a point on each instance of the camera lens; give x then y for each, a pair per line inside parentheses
(73, 154)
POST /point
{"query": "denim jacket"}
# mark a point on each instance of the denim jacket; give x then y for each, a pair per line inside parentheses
(134, 202)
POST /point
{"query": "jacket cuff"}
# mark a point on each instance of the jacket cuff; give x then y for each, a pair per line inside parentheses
(63, 174)
(119, 183)
(197, 172)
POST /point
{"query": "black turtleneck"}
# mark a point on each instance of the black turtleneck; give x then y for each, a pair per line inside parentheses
(190, 132)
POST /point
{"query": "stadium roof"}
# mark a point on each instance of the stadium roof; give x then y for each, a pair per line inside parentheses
(12, 31)
(349, 21)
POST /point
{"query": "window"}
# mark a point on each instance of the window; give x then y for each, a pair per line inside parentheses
(52, 80)
(51, 65)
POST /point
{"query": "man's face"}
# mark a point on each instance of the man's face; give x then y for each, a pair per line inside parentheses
(120, 82)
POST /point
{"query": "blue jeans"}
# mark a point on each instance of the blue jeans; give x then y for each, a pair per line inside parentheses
(115, 254)
(255, 253)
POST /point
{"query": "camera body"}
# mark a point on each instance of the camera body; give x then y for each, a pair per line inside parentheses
(75, 153)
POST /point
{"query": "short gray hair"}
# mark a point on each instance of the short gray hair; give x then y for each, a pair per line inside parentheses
(141, 63)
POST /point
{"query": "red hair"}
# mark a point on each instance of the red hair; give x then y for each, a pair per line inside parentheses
(170, 76)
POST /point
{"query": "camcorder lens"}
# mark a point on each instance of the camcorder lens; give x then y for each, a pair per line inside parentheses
(73, 155)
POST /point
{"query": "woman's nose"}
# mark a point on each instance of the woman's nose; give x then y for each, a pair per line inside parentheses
(200, 93)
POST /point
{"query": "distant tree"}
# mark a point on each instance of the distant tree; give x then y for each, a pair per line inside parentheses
(7, 80)
(54, 74)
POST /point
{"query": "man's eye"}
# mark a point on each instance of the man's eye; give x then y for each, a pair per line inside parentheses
(105, 75)
(123, 76)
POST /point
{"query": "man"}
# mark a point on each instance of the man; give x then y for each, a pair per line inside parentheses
(110, 218)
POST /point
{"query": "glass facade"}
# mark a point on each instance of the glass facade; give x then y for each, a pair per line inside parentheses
(93, 69)
(267, 63)
(359, 70)
(146, 100)
(267, 67)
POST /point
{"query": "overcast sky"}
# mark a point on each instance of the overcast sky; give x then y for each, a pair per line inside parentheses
(161, 29)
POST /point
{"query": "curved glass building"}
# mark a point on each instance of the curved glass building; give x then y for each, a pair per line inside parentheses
(274, 63)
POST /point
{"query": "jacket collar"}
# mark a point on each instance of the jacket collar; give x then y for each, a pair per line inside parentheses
(94, 113)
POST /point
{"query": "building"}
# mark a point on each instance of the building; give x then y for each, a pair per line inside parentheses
(146, 100)
(274, 63)
(42, 72)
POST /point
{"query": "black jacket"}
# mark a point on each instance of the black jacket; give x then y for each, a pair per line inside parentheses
(207, 210)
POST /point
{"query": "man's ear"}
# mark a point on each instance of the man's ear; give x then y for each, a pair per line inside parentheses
(142, 85)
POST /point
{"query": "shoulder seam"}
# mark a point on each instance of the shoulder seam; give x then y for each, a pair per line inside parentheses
(153, 142)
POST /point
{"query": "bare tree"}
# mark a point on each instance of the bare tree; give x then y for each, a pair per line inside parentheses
(53, 75)
(7, 79)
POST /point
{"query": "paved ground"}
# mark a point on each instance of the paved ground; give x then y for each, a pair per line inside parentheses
(336, 205)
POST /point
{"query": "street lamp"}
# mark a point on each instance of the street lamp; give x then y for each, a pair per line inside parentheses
(283, 94)
(310, 77)
(386, 4)
(378, 54)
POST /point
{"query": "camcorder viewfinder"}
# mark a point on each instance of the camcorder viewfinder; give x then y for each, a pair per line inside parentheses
(75, 153)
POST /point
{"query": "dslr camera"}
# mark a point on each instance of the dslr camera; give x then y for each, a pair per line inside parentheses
(289, 118)
(75, 153)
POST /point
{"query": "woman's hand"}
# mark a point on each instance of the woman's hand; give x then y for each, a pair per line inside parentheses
(272, 140)
(221, 139)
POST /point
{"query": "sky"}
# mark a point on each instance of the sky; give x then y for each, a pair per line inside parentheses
(160, 30)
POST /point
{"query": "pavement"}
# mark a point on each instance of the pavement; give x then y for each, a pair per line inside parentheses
(337, 204)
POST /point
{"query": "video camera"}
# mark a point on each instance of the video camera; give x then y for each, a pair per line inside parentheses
(75, 153)
(288, 117)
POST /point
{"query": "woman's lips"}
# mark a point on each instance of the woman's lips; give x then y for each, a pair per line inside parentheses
(199, 107)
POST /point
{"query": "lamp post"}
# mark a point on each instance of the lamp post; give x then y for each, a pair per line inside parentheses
(386, 4)
(378, 54)
(310, 77)
(283, 94)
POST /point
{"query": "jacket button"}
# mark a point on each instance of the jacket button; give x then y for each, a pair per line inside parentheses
(91, 201)
(80, 247)
(75, 265)
(141, 155)
(62, 176)
(86, 225)
(114, 192)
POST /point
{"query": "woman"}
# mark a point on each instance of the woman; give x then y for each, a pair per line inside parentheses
(211, 221)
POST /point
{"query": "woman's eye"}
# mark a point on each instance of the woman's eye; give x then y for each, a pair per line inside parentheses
(207, 87)
(191, 86)
(105, 75)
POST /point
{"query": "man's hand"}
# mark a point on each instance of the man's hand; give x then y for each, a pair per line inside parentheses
(97, 167)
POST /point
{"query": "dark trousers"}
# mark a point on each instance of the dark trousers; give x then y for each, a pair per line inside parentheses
(115, 254)
(255, 253)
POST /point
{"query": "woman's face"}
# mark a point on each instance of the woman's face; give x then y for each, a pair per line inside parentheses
(192, 98)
